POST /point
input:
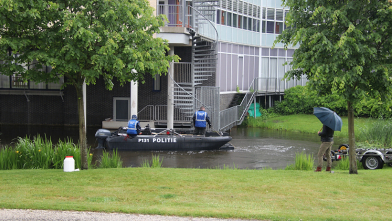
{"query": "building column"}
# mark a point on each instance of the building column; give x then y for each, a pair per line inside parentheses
(134, 97)
(170, 93)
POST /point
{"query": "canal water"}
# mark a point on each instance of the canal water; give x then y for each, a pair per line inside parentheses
(255, 148)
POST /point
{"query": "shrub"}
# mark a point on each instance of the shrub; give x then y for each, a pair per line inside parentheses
(302, 162)
(155, 162)
(113, 161)
(301, 100)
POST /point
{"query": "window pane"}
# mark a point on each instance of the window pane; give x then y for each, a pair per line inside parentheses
(56, 85)
(279, 28)
(279, 14)
(270, 27)
(235, 23)
(250, 24)
(258, 25)
(263, 27)
(157, 82)
(254, 11)
(223, 21)
(34, 85)
(244, 20)
(122, 109)
(239, 21)
(229, 19)
(4, 81)
(254, 25)
(218, 16)
(271, 13)
(17, 82)
(245, 8)
(264, 12)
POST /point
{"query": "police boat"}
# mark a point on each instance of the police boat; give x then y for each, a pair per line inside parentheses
(164, 140)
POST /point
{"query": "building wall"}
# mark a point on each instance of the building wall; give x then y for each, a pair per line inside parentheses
(57, 110)
(238, 65)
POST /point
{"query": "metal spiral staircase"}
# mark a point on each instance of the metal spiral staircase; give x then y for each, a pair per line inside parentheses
(204, 57)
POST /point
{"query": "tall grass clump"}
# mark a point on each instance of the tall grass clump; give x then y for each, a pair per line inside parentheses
(378, 133)
(39, 153)
(34, 154)
(63, 149)
(8, 159)
(344, 164)
(110, 161)
(156, 162)
(302, 162)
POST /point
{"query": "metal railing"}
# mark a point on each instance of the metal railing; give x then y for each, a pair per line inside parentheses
(189, 18)
(183, 72)
(176, 15)
(159, 113)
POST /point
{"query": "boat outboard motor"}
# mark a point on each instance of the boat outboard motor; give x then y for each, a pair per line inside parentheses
(101, 136)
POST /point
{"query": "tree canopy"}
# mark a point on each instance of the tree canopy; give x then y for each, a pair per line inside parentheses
(81, 40)
(344, 48)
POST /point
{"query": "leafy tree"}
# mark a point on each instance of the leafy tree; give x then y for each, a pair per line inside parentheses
(82, 40)
(344, 48)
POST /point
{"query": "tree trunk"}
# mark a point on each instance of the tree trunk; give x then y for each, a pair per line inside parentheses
(351, 142)
(82, 127)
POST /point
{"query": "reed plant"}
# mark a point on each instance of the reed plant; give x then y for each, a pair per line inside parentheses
(8, 158)
(156, 162)
(38, 153)
(63, 149)
(344, 164)
(377, 133)
(302, 162)
(34, 154)
(145, 163)
(110, 161)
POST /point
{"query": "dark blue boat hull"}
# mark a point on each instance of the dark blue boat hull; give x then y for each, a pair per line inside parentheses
(166, 142)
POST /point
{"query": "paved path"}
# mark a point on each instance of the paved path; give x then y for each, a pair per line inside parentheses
(54, 215)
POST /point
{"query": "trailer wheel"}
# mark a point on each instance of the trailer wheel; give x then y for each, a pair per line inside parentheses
(372, 162)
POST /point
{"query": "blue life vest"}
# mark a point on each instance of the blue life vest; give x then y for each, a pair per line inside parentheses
(132, 127)
(200, 120)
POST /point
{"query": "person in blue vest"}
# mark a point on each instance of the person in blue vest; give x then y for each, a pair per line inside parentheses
(200, 120)
(133, 127)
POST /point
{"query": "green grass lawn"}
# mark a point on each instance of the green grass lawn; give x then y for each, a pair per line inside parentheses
(246, 194)
(307, 123)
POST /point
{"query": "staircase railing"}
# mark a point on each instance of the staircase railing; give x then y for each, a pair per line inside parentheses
(235, 115)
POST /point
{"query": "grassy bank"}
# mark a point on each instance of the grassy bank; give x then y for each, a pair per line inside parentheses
(369, 130)
(246, 194)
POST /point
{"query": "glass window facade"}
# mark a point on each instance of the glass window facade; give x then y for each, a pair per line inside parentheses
(239, 14)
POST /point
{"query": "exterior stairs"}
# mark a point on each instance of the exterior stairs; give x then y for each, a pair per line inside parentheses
(204, 57)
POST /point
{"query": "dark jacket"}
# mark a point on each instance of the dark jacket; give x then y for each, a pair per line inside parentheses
(326, 134)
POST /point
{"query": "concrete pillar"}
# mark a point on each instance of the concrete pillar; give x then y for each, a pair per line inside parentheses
(170, 93)
(134, 98)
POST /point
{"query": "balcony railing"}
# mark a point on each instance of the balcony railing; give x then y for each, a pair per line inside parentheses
(176, 15)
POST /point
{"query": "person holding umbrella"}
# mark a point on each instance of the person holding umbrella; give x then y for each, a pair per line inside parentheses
(331, 122)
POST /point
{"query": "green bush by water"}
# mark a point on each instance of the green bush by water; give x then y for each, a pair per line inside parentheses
(377, 133)
(113, 161)
(302, 162)
(156, 162)
(301, 100)
(39, 153)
